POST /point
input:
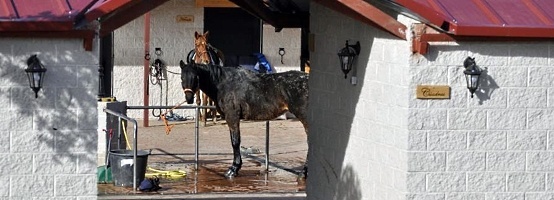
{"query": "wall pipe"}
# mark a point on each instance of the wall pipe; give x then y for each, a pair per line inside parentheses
(146, 67)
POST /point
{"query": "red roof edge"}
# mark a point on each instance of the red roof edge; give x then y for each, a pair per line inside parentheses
(106, 7)
(365, 12)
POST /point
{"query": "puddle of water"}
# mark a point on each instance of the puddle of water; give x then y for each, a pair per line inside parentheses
(209, 179)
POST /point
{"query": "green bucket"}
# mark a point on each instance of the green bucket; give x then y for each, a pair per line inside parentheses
(104, 174)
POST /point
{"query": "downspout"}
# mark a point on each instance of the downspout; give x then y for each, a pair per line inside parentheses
(146, 89)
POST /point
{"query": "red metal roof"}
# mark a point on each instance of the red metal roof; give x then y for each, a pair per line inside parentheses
(68, 15)
(504, 18)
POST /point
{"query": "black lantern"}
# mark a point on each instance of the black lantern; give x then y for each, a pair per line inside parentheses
(472, 74)
(35, 73)
(346, 57)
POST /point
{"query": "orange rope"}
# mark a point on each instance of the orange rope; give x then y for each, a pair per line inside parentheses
(166, 122)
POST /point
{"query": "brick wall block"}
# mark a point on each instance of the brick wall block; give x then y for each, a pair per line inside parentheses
(446, 140)
(416, 182)
(540, 161)
(463, 119)
(23, 122)
(424, 196)
(417, 140)
(532, 53)
(54, 164)
(5, 191)
(496, 98)
(52, 119)
(507, 119)
(486, 182)
(540, 119)
(465, 161)
(465, 196)
(550, 97)
(447, 55)
(26, 96)
(505, 161)
(5, 140)
(427, 119)
(505, 196)
(541, 76)
(486, 140)
(75, 185)
(32, 142)
(526, 140)
(30, 186)
(426, 161)
(550, 182)
(526, 182)
(503, 76)
(429, 75)
(539, 196)
(527, 98)
(446, 182)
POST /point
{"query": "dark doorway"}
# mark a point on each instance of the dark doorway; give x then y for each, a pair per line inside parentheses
(235, 32)
(106, 66)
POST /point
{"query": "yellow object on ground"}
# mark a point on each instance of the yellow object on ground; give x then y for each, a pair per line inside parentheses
(163, 173)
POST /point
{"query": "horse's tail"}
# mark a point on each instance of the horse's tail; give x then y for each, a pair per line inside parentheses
(190, 56)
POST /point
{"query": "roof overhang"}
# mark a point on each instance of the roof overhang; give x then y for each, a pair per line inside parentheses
(70, 19)
(279, 13)
(367, 13)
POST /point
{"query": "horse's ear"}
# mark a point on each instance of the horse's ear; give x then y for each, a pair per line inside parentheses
(182, 64)
(195, 34)
(206, 34)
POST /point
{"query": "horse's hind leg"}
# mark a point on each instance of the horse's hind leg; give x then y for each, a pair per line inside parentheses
(204, 110)
(234, 131)
(305, 169)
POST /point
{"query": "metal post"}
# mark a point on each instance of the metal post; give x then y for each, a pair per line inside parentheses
(196, 125)
(267, 146)
(135, 132)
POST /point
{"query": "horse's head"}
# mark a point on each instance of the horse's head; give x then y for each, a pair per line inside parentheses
(189, 81)
(201, 48)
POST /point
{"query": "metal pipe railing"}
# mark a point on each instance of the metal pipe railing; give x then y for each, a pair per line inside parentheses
(197, 125)
(135, 130)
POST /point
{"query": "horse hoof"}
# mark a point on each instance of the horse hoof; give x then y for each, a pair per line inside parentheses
(231, 173)
(304, 173)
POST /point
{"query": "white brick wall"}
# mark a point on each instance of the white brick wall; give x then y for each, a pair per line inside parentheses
(380, 142)
(358, 132)
(48, 143)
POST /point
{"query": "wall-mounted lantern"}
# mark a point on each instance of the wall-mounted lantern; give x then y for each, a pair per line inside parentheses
(472, 74)
(346, 57)
(35, 73)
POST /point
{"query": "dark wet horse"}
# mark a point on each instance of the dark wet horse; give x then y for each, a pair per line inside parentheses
(243, 94)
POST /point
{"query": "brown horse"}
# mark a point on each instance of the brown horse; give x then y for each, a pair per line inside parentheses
(204, 53)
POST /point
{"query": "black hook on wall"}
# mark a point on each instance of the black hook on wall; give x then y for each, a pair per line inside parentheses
(282, 53)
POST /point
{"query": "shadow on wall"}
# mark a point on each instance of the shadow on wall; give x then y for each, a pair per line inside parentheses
(348, 186)
(59, 127)
(332, 120)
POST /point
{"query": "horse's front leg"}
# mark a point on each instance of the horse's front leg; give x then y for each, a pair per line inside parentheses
(233, 123)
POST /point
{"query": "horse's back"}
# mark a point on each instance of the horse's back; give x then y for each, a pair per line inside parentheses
(264, 96)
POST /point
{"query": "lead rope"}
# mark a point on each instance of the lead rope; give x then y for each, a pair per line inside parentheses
(166, 122)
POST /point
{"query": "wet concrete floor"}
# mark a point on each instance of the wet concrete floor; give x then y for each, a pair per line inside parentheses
(175, 151)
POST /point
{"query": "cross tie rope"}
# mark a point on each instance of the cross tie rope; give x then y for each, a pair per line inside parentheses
(166, 122)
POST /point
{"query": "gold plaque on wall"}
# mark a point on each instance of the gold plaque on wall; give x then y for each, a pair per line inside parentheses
(184, 18)
(433, 92)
